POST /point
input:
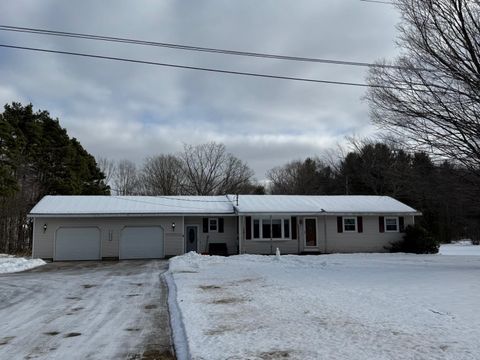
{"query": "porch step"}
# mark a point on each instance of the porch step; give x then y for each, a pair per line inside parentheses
(311, 253)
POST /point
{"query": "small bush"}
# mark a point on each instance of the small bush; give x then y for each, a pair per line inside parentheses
(416, 240)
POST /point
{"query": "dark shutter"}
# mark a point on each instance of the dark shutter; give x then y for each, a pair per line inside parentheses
(294, 227)
(220, 225)
(360, 224)
(401, 224)
(205, 225)
(381, 224)
(339, 224)
(248, 227)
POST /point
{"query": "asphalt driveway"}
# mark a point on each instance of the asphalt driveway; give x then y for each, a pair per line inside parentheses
(86, 310)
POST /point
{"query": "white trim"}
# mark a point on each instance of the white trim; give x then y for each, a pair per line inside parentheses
(397, 223)
(216, 226)
(349, 218)
(260, 220)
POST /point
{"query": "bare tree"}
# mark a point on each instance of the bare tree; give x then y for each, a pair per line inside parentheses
(125, 181)
(162, 175)
(209, 170)
(431, 94)
(107, 167)
(308, 177)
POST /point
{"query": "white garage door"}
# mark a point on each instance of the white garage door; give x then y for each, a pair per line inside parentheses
(77, 244)
(141, 242)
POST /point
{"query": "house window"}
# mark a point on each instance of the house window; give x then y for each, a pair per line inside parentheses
(391, 224)
(267, 229)
(213, 224)
(349, 224)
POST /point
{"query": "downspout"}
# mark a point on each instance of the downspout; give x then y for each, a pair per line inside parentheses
(271, 236)
(33, 239)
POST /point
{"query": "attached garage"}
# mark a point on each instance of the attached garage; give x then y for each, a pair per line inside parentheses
(77, 243)
(145, 242)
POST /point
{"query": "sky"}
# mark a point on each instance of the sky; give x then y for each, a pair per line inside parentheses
(132, 111)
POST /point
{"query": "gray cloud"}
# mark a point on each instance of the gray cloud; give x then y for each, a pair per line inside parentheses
(131, 111)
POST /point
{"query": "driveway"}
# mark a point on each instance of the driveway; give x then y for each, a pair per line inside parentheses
(86, 310)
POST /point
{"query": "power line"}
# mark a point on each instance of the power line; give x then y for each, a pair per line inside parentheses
(214, 70)
(379, 2)
(191, 48)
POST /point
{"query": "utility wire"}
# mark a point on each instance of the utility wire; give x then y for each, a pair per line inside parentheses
(192, 48)
(214, 70)
(379, 2)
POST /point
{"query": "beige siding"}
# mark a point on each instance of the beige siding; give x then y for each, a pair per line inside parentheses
(229, 236)
(110, 230)
(370, 240)
(328, 239)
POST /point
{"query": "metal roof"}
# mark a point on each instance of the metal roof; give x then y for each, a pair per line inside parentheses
(312, 204)
(211, 205)
(132, 205)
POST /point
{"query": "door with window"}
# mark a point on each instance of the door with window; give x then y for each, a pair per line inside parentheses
(191, 238)
(311, 233)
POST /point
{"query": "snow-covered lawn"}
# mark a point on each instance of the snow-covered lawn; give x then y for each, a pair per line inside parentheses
(10, 264)
(359, 306)
(464, 247)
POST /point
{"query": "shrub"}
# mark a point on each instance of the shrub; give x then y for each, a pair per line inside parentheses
(416, 240)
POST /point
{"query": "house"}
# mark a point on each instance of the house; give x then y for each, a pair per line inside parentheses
(139, 227)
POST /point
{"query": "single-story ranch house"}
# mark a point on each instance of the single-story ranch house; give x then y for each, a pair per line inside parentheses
(138, 227)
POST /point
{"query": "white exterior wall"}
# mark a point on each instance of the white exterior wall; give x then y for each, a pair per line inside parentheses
(43, 241)
(229, 235)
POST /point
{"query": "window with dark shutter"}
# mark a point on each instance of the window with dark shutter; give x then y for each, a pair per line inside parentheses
(220, 225)
(381, 224)
(401, 223)
(360, 224)
(339, 224)
(205, 225)
(248, 228)
(294, 227)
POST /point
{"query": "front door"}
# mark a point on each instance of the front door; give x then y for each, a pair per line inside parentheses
(191, 239)
(310, 232)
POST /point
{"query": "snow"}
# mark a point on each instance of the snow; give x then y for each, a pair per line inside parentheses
(462, 247)
(11, 264)
(85, 310)
(355, 306)
(152, 205)
(127, 205)
(308, 204)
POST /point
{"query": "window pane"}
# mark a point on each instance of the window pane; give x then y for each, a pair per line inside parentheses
(349, 224)
(213, 224)
(256, 229)
(276, 228)
(391, 224)
(266, 229)
(286, 228)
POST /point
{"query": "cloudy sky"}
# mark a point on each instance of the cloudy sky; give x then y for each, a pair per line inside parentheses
(121, 110)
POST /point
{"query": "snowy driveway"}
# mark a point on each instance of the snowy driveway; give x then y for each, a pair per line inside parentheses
(87, 310)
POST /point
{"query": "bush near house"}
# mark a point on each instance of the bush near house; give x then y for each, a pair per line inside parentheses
(416, 240)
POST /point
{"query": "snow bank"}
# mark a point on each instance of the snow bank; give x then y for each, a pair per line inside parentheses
(11, 264)
(351, 306)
